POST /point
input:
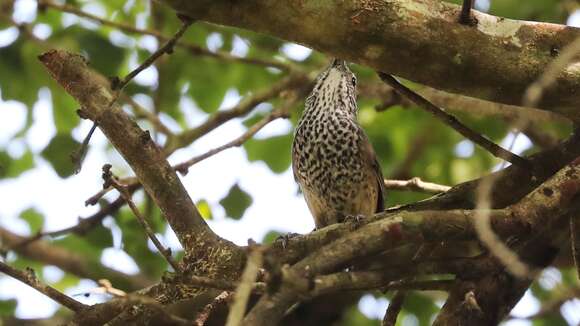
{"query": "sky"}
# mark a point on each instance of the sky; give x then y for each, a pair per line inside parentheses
(276, 203)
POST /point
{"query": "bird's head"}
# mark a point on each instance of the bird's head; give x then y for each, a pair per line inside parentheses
(335, 86)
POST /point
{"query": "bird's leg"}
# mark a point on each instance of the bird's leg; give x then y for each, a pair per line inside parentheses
(356, 220)
(466, 16)
(283, 239)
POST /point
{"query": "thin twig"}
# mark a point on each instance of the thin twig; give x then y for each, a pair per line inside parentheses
(288, 84)
(203, 316)
(432, 285)
(131, 182)
(415, 184)
(575, 241)
(238, 309)
(193, 48)
(105, 287)
(28, 277)
(245, 106)
(150, 116)
(78, 156)
(451, 121)
(82, 227)
(459, 103)
(166, 48)
(279, 113)
(117, 85)
(394, 308)
(110, 180)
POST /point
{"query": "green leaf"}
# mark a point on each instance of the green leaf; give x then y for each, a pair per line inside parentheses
(271, 236)
(170, 83)
(204, 209)
(80, 245)
(34, 218)
(421, 306)
(134, 242)
(552, 319)
(21, 165)
(22, 262)
(209, 82)
(67, 281)
(18, 79)
(253, 120)
(236, 202)
(63, 110)
(538, 10)
(58, 152)
(104, 57)
(5, 164)
(7, 307)
(100, 236)
(353, 316)
(12, 168)
(274, 151)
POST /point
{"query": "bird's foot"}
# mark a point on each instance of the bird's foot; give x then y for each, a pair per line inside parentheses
(356, 220)
(283, 239)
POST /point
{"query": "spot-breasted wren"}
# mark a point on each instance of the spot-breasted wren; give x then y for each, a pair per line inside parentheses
(332, 158)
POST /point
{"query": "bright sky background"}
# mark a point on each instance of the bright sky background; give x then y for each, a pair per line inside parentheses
(276, 204)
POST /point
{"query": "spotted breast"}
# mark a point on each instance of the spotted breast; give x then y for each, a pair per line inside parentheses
(332, 158)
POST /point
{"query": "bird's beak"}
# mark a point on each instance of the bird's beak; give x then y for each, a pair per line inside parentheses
(338, 63)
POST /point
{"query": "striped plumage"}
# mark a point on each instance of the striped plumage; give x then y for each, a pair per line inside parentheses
(332, 158)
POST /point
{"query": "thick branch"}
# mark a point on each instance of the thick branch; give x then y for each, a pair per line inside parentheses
(205, 251)
(532, 214)
(146, 159)
(418, 40)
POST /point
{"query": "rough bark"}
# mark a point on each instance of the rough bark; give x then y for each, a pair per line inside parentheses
(206, 253)
(419, 40)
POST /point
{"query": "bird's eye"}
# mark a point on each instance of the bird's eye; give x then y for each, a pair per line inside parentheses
(353, 81)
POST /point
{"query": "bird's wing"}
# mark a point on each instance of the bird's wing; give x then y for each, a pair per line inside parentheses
(295, 160)
(370, 156)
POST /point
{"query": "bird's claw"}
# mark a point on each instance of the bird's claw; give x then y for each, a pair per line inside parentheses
(356, 220)
(283, 239)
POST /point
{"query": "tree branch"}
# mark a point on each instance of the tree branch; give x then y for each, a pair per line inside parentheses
(29, 278)
(532, 214)
(70, 262)
(111, 180)
(248, 103)
(192, 48)
(205, 252)
(394, 308)
(418, 40)
(415, 184)
(282, 112)
(452, 122)
(138, 149)
(244, 289)
(82, 227)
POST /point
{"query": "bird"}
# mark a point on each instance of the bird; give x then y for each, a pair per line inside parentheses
(333, 160)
